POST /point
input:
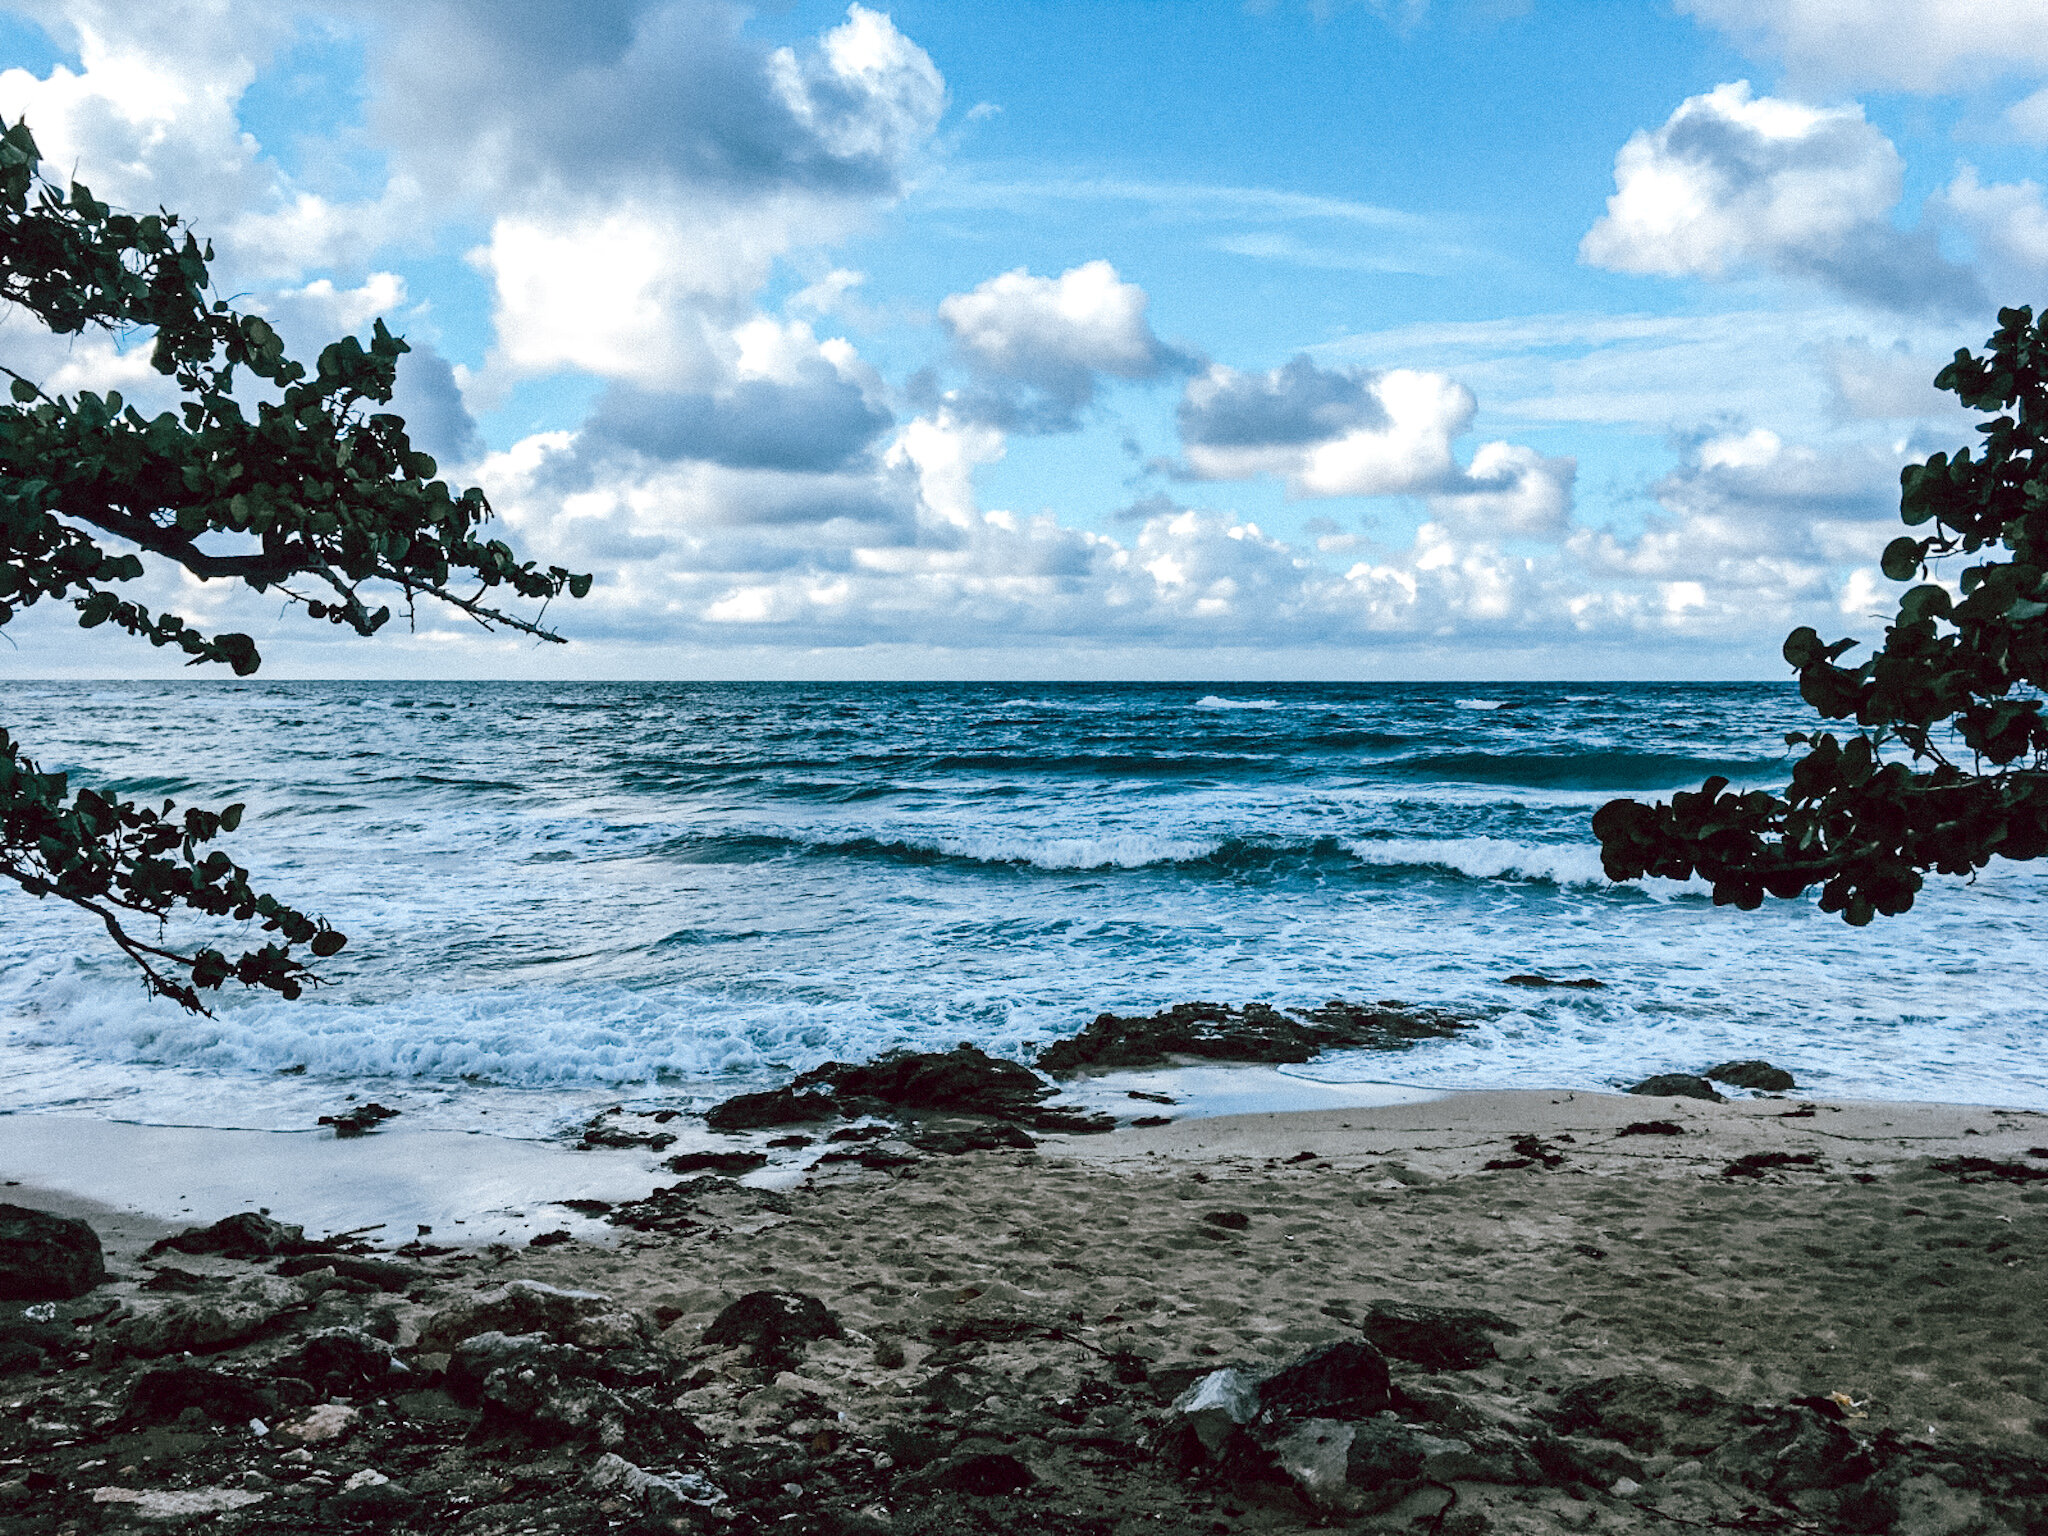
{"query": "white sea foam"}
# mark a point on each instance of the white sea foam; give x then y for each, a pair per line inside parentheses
(1130, 850)
(1217, 701)
(1482, 703)
(1487, 858)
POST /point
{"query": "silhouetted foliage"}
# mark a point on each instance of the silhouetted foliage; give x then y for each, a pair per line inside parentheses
(316, 495)
(1950, 764)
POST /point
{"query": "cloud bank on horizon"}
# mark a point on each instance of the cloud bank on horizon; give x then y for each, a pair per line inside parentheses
(951, 341)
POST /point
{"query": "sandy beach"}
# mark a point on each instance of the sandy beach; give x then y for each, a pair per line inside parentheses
(1043, 1310)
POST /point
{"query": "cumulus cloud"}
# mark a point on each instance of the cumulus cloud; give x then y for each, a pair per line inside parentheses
(1733, 181)
(1037, 345)
(537, 103)
(1354, 432)
(2007, 225)
(1914, 45)
(790, 403)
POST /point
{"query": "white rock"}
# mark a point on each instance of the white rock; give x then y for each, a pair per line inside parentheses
(369, 1477)
(1218, 1404)
(329, 1421)
(1625, 1486)
(177, 1504)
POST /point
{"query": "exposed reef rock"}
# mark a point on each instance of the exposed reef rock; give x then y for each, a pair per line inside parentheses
(1256, 1032)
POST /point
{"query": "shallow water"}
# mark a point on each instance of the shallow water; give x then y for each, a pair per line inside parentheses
(556, 894)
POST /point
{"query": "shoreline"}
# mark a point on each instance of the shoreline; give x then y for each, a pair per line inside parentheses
(1769, 1314)
(475, 1188)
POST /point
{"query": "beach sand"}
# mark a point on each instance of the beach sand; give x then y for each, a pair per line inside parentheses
(985, 1296)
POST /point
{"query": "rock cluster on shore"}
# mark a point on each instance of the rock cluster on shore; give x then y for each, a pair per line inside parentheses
(247, 1377)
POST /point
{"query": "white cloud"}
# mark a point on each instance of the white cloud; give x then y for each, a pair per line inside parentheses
(1914, 45)
(2008, 226)
(1038, 344)
(2028, 117)
(1354, 432)
(1733, 181)
(1514, 492)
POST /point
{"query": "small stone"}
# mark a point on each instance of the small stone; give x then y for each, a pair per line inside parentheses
(329, 1421)
(1626, 1487)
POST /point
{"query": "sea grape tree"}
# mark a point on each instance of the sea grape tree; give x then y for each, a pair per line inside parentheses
(287, 479)
(1948, 764)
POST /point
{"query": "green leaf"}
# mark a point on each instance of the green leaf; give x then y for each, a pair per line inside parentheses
(1902, 558)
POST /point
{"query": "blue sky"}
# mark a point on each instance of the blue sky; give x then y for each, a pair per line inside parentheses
(1426, 338)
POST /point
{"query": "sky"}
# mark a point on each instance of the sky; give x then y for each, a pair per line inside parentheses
(1393, 339)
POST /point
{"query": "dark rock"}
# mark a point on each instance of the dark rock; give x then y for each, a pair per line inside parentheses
(1256, 1032)
(371, 1503)
(359, 1121)
(45, 1257)
(996, 1137)
(1071, 1122)
(1678, 1085)
(1651, 1128)
(618, 1138)
(246, 1235)
(1149, 1122)
(518, 1308)
(770, 1322)
(343, 1362)
(1344, 1380)
(983, 1474)
(790, 1143)
(778, 1106)
(1384, 1453)
(1435, 1338)
(964, 1080)
(1527, 980)
(1794, 1450)
(537, 1391)
(1229, 1221)
(1648, 1414)
(585, 1207)
(862, 1133)
(181, 1282)
(553, 1239)
(161, 1394)
(1755, 1165)
(17, 1355)
(1150, 1098)
(382, 1273)
(1758, 1075)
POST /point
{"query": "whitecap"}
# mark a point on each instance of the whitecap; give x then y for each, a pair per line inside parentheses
(1216, 701)
(1482, 703)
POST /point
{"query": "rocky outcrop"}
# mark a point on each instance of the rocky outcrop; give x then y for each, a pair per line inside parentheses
(1678, 1085)
(45, 1257)
(1759, 1076)
(1255, 1032)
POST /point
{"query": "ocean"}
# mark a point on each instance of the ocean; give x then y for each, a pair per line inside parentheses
(560, 896)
